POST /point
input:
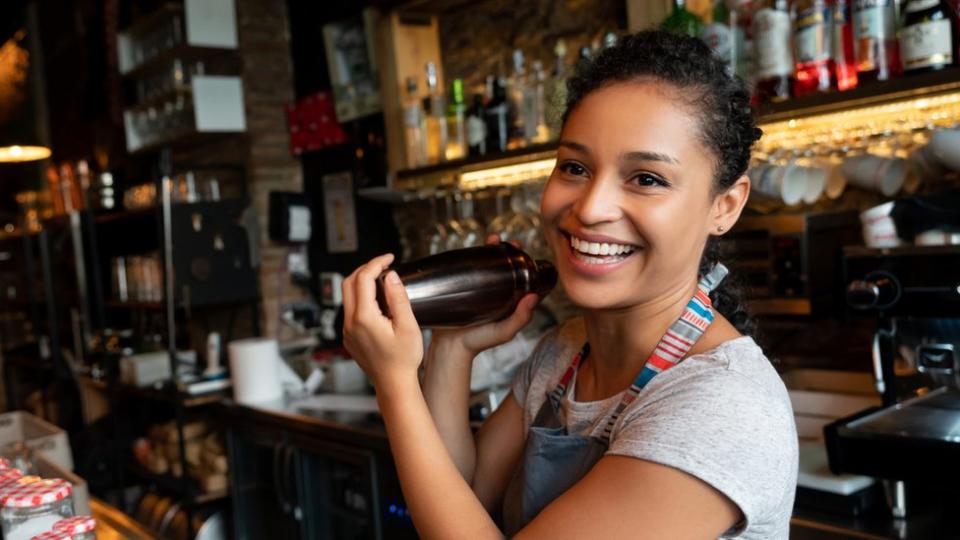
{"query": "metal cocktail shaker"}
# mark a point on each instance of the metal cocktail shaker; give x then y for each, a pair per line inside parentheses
(469, 286)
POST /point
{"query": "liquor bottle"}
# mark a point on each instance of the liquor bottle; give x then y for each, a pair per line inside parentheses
(844, 55)
(470, 286)
(414, 126)
(496, 116)
(811, 42)
(436, 117)
(719, 36)
(535, 124)
(476, 128)
(517, 96)
(456, 123)
(928, 39)
(773, 55)
(741, 24)
(682, 21)
(556, 94)
(874, 30)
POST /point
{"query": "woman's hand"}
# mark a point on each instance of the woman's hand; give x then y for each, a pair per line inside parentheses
(388, 350)
(471, 340)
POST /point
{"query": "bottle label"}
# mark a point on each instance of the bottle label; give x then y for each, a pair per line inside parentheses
(812, 39)
(926, 44)
(476, 131)
(841, 25)
(412, 116)
(873, 19)
(771, 36)
(720, 39)
(920, 5)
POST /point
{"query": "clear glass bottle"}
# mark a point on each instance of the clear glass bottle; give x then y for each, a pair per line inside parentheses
(928, 37)
(875, 33)
(518, 92)
(456, 123)
(414, 126)
(556, 91)
(741, 24)
(773, 53)
(812, 36)
(436, 118)
(844, 53)
(535, 103)
(30, 509)
(719, 36)
(681, 21)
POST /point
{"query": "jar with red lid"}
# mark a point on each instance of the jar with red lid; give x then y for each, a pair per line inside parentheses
(51, 535)
(27, 510)
(78, 527)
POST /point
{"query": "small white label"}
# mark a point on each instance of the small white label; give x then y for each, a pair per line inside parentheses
(873, 20)
(299, 224)
(771, 35)
(812, 40)
(926, 44)
(476, 131)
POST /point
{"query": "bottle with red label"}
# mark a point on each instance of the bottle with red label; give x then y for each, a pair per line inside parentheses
(844, 53)
(773, 53)
(812, 48)
(928, 39)
(875, 34)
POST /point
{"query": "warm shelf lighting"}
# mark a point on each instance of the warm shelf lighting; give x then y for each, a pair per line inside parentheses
(20, 154)
(508, 175)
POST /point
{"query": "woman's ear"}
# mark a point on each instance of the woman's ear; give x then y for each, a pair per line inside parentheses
(728, 205)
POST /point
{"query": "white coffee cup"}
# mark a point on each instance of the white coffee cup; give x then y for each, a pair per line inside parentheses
(782, 183)
(814, 180)
(836, 181)
(876, 173)
(879, 229)
(945, 146)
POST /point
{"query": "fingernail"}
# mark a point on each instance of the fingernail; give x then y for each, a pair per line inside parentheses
(393, 278)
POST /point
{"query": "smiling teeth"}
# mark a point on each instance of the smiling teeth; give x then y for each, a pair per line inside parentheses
(598, 248)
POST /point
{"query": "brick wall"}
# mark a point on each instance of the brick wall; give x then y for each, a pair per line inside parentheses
(268, 85)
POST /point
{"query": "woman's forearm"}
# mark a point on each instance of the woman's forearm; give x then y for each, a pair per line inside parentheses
(440, 499)
(446, 390)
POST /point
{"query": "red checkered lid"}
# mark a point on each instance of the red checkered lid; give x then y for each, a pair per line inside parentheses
(4, 463)
(51, 535)
(76, 525)
(36, 493)
(8, 476)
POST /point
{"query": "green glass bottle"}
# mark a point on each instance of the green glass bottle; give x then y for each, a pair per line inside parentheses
(682, 21)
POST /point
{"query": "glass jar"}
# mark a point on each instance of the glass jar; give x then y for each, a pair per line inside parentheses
(78, 527)
(31, 509)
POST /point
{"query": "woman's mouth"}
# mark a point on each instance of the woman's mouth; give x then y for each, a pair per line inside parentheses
(599, 253)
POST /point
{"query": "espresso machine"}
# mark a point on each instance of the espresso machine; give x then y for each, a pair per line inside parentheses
(912, 441)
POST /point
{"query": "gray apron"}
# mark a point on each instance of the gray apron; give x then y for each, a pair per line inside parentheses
(554, 460)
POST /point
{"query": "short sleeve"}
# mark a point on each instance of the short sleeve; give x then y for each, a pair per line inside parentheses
(533, 365)
(725, 429)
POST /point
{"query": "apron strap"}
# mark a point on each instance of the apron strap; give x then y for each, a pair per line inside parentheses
(561, 388)
(675, 344)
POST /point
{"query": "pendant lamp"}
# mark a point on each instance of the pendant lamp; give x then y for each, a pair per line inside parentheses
(20, 137)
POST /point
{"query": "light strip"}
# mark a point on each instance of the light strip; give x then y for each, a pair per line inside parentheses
(508, 174)
(20, 154)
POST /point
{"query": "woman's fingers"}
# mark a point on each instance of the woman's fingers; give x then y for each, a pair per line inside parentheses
(520, 316)
(366, 286)
(349, 302)
(401, 311)
(492, 239)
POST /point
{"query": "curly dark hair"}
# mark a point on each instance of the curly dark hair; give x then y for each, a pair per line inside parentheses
(722, 103)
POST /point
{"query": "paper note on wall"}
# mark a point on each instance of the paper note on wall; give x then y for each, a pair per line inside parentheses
(339, 213)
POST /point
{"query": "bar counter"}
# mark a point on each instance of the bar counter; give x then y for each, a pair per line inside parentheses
(365, 430)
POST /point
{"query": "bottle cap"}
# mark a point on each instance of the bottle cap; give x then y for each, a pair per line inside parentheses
(76, 525)
(4, 463)
(9, 476)
(51, 535)
(36, 493)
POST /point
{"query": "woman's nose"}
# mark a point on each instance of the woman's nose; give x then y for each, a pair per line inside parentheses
(599, 202)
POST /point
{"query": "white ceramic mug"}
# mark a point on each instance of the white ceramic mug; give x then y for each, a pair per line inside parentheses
(945, 146)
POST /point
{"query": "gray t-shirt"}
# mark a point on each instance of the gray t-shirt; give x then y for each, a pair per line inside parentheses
(723, 416)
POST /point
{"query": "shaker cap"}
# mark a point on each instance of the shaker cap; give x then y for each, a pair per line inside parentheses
(51, 535)
(4, 464)
(9, 476)
(36, 493)
(76, 525)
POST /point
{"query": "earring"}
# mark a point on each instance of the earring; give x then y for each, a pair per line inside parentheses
(719, 228)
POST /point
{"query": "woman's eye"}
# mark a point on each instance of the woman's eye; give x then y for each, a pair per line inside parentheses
(646, 179)
(573, 168)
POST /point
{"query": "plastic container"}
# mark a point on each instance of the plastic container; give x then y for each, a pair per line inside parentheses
(470, 286)
(31, 509)
(78, 527)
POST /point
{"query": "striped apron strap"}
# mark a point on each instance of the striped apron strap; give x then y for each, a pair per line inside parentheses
(561, 388)
(675, 344)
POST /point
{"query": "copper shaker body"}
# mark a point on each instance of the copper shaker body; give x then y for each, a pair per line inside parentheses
(469, 286)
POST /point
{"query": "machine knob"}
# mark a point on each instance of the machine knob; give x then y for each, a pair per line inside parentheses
(878, 290)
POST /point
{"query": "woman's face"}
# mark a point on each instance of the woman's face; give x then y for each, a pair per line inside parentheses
(630, 204)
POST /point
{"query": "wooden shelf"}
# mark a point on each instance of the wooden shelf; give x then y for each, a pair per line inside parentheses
(871, 93)
(162, 394)
(475, 162)
(134, 304)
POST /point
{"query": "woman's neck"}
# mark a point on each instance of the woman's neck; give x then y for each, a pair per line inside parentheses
(622, 340)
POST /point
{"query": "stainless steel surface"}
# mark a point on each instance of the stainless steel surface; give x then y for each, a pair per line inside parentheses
(876, 359)
(935, 415)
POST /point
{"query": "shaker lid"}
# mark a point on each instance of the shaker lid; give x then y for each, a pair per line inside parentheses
(76, 525)
(51, 535)
(36, 493)
(4, 464)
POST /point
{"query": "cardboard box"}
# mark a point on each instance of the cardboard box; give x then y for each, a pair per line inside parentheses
(41, 436)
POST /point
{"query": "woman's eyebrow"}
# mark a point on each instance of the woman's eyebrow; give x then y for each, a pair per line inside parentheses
(575, 146)
(643, 155)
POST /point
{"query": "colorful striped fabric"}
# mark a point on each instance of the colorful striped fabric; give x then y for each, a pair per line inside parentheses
(671, 349)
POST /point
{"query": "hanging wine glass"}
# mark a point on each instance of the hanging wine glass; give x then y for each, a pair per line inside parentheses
(472, 230)
(455, 231)
(436, 238)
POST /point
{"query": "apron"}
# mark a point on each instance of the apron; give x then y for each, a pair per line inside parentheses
(554, 460)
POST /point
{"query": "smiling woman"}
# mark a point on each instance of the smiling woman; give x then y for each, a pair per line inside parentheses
(652, 415)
